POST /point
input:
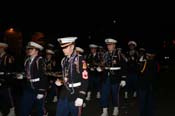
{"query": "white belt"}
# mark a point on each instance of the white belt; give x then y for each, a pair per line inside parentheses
(75, 84)
(112, 68)
(1, 73)
(34, 80)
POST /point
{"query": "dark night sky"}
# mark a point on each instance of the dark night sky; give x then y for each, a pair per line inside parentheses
(123, 22)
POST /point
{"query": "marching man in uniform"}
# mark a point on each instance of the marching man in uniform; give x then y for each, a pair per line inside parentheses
(6, 96)
(74, 80)
(131, 82)
(94, 79)
(114, 77)
(147, 75)
(50, 68)
(36, 82)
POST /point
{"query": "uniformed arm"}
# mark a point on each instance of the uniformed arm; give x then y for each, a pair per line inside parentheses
(83, 78)
(10, 64)
(43, 79)
(123, 75)
(151, 70)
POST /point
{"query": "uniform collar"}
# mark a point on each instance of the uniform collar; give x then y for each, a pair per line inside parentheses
(32, 58)
(94, 54)
(2, 54)
(113, 51)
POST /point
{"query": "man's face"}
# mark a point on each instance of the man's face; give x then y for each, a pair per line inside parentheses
(32, 51)
(1, 49)
(48, 56)
(68, 50)
(111, 46)
(93, 50)
(131, 46)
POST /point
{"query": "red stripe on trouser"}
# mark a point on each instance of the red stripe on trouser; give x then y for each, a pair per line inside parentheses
(79, 110)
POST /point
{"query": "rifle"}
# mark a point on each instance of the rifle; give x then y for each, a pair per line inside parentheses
(15, 74)
(7, 78)
(54, 74)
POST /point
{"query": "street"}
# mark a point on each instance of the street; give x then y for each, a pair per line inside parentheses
(164, 99)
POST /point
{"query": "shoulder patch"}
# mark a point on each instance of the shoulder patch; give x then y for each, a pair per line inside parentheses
(76, 61)
(85, 74)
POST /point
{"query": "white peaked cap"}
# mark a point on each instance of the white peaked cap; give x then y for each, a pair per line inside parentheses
(3, 45)
(50, 45)
(93, 46)
(35, 45)
(142, 49)
(132, 42)
(66, 40)
(50, 51)
(79, 49)
(100, 46)
(110, 40)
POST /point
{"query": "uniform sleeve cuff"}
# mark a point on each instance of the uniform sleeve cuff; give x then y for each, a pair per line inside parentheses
(41, 91)
(82, 94)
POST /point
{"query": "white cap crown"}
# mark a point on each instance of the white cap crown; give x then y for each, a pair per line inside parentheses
(132, 43)
(66, 40)
(35, 45)
(3, 45)
(50, 51)
(79, 49)
(93, 46)
(110, 40)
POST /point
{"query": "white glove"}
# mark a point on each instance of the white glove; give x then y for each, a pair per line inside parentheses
(141, 59)
(39, 96)
(92, 69)
(58, 82)
(78, 102)
(132, 58)
(122, 83)
(99, 69)
(19, 76)
(124, 77)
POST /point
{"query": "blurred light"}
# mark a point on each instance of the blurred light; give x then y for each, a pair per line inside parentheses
(173, 42)
(114, 21)
(89, 37)
(11, 30)
(166, 57)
